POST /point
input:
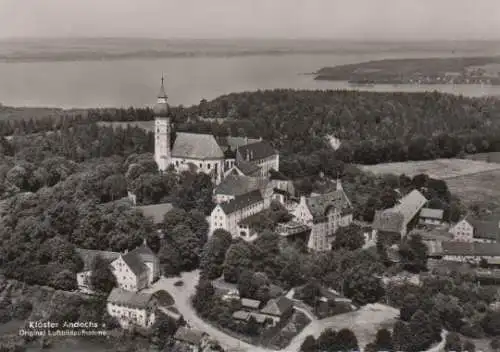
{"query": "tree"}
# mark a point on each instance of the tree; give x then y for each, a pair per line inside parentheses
(187, 245)
(163, 328)
(349, 237)
(213, 254)
(309, 344)
(383, 341)
(453, 342)
(469, 346)
(238, 257)
(362, 286)
(101, 277)
(346, 341)
(413, 254)
(246, 285)
(491, 323)
(327, 340)
(422, 332)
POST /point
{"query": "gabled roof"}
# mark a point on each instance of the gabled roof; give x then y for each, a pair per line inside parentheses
(276, 175)
(234, 143)
(395, 218)
(135, 262)
(485, 229)
(196, 146)
(471, 249)
(256, 151)
(241, 201)
(129, 298)
(388, 220)
(436, 214)
(236, 185)
(88, 256)
(156, 211)
(278, 306)
(319, 204)
(410, 204)
(250, 303)
(247, 168)
(190, 336)
(145, 253)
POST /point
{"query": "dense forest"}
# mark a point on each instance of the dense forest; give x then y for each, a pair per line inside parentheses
(373, 127)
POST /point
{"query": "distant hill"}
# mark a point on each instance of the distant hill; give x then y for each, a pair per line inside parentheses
(75, 49)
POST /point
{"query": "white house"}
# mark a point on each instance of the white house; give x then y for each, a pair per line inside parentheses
(431, 216)
(228, 215)
(203, 153)
(131, 308)
(470, 229)
(393, 222)
(136, 269)
(324, 214)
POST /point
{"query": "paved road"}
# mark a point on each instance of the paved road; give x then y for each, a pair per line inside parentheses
(372, 315)
(182, 296)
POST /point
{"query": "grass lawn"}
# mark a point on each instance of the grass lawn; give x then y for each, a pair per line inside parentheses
(439, 168)
(482, 187)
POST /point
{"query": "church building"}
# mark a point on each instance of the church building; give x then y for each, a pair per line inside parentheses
(203, 153)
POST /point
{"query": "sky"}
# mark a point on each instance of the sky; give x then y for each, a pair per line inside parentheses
(329, 19)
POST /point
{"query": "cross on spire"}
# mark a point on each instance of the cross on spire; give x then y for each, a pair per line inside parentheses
(162, 79)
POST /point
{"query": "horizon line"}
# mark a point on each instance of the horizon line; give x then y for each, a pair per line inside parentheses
(256, 38)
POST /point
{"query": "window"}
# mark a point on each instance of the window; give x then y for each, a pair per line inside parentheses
(208, 165)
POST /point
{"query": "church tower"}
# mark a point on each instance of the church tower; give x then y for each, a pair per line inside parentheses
(162, 130)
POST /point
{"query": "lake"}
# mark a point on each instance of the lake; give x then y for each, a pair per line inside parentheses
(135, 82)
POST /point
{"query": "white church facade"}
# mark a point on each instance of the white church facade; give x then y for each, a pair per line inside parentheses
(204, 153)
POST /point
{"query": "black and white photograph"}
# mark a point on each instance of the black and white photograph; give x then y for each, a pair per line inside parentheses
(250, 175)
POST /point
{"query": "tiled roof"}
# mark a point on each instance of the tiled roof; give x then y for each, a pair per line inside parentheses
(88, 256)
(485, 229)
(277, 307)
(236, 185)
(250, 303)
(129, 299)
(196, 146)
(471, 249)
(432, 213)
(156, 211)
(241, 315)
(247, 168)
(234, 143)
(242, 201)
(389, 221)
(190, 336)
(410, 204)
(395, 218)
(135, 262)
(256, 151)
(319, 204)
(276, 175)
(145, 253)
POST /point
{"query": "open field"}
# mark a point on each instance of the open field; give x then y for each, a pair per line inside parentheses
(493, 157)
(443, 169)
(482, 187)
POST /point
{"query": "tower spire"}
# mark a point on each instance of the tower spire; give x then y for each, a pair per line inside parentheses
(162, 93)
